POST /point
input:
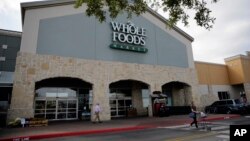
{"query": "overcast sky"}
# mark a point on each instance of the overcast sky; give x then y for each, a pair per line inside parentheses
(230, 35)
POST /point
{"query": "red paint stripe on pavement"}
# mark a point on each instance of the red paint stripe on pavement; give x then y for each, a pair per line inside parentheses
(65, 134)
(222, 117)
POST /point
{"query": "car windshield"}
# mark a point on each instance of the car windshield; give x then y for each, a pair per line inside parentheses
(237, 101)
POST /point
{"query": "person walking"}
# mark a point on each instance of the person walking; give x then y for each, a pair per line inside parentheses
(97, 110)
(193, 109)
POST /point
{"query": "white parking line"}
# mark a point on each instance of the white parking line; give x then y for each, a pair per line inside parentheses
(219, 128)
(225, 132)
(223, 136)
(177, 126)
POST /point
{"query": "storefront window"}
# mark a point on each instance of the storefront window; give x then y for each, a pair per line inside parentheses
(120, 101)
(120, 93)
(223, 95)
(56, 103)
(55, 92)
(145, 98)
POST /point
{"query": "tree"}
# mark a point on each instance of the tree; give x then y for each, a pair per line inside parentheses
(176, 9)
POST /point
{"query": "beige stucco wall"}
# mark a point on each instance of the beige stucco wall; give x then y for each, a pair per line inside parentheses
(212, 74)
(214, 78)
(246, 69)
(31, 68)
(238, 68)
(235, 71)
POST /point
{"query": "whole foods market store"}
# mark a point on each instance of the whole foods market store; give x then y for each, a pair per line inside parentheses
(62, 72)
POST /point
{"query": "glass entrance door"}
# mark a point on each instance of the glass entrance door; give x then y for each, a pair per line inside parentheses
(72, 109)
(50, 111)
(62, 109)
(119, 107)
(56, 109)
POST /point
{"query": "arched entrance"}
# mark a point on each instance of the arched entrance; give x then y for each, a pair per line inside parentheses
(128, 98)
(62, 98)
(178, 93)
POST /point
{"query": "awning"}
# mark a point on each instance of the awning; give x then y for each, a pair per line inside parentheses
(163, 95)
(154, 95)
(158, 95)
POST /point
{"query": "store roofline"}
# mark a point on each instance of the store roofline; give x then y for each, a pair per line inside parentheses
(236, 57)
(210, 63)
(10, 33)
(42, 4)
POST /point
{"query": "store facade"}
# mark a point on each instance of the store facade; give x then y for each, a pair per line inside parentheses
(9, 46)
(224, 81)
(68, 62)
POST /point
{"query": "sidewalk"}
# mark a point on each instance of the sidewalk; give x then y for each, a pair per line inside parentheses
(74, 128)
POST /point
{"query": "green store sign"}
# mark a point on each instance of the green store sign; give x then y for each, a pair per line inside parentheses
(129, 48)
(128, 37)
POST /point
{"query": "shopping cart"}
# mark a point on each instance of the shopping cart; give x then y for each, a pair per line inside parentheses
(203, 123)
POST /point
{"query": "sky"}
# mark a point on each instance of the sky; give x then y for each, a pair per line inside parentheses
(229, 36)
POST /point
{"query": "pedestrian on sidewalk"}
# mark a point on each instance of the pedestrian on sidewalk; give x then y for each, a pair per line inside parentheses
(97, 110)
(194, 111)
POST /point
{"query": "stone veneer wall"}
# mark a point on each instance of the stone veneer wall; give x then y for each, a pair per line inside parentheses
(137, 100)
(182, 97)
(209, 93)
(247, 90)
(208, 99)
(31, 68)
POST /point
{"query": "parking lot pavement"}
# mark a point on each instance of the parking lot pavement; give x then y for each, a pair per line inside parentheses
(73, 128)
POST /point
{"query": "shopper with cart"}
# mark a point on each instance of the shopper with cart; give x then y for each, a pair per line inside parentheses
(203, 122)
(193, 115)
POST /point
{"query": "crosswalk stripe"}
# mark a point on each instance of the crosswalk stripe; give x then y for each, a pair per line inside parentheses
(225, 132)
(175, 127)
(186, 128)
(223, 136)
(219, 128)
(220, 123)
(222, 129)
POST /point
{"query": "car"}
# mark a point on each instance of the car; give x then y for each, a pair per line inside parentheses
(227, 106)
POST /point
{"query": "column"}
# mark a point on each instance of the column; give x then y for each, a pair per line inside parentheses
(101, 96)
(247, 90)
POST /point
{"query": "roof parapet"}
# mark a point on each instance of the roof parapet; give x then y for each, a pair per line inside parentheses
(10, 33)
(41, 4)
(247, 56)
(248, 53)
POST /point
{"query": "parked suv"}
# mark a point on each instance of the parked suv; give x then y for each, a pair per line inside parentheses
(227, 106)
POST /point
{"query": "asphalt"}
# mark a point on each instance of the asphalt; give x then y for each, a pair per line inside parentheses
(77, 128)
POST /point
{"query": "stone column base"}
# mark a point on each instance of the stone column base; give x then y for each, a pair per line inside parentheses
(17, 113)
